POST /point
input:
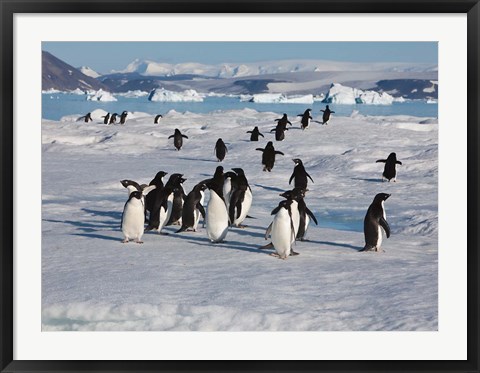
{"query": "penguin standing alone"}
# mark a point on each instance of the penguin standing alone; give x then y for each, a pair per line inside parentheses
(390, 170)
(133, 216)
(305, 121)
(299, 175)
(86, 118)
(254, 134)
(178, 139)
(157, 117)
(220, 150)
(375, 219)
(268, 156)
(123, 117)
(326, 115)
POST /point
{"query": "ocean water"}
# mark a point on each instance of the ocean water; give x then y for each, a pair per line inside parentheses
(57, 105)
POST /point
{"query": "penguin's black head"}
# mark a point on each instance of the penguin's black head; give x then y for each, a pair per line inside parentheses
(177, 130)
(299, 193)
(286, 204)
(287, 194)
(297, 161)
(381, 197)
(219, 141)
(392, 156)
(230, 175)
(327, 107)
(219, 170)
(239, 171)
(124, 112)
(182, 180)
(284, 114)
(126, 183)
(160, 174)
(269, 144)
(174, 179)
(201, 186)
(137, 194)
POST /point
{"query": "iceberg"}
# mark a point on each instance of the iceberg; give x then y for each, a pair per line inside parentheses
(163, 95)
(101, 95)
(339, 94)
(280, 98)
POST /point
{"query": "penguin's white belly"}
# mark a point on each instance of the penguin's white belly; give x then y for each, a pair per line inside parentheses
(307, 222)
(165, 214)
(379, 238)
(227, 189)
(217, 218)
(133, 219)
(196, 212)
(295, 216)
(281, 233)
(246, 204)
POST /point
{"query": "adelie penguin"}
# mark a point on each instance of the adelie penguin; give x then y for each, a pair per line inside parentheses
(164, 204)
(106, 118)
(305, 121)
(283, 121)
(151, 198)
(229, 185)
(113, 118)
(326, 115)
(304, 215)
(390, 170)
(123, 117)
(282, 230)
(178, 139)
(193, 208)
(178, 201)
(268, 156)
(157, 117)
(86, 118)
(133, 217)
(374, 221)
(299, 175)
(220, 150)
(217, 222)
(240, 199)
(254, 134)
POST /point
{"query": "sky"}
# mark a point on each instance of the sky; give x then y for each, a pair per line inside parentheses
(104, 57)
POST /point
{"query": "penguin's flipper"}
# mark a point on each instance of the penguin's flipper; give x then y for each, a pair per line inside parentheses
(201, 209)
(273, 129)
(275, 210)
(291, 178)
(385, 226)
(310, 117)
(261, 134)
(316, 121)
(249, 132)
(277, 120)
(185, 136)
(279, 152)
(268, 231)
(307, 210)
(309, 176)
(380, 160)
(289, 122)
(332, 111)
(398, 162)
(171, 136)
(262, 150)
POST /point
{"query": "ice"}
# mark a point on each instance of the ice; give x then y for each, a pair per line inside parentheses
(163, 95)
(101, 95)
(339, 94)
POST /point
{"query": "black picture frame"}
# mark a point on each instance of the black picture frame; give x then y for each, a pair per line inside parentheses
(10, 7)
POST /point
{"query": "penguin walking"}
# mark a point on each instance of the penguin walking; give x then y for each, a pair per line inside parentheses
(254, 134)
(305, 121)
(282, 231)
(375, 219)
(283, 121)
(193, 208)
(279, 132)
(178, 201)
(113, 118)
(217, 215)
(268, 156)
(154, 196)
(390, 170)
(220, 150)
(157, 117)
(162, 209)
(299, 175)
(133, 216)
(178, 139)
(123, 117)
(240, 200)
(86, 118)
(326, 115)
(106, 118)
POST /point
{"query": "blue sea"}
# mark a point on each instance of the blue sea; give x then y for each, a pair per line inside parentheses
(57, 105)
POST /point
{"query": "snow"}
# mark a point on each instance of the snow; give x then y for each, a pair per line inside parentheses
(101, 95)
(163, 95)
(133, 94)
(278, 98)
(91, 281)
(89, 72)
(339, 94)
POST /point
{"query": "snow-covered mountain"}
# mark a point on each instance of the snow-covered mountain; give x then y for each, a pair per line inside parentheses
(88, 71)
(235, 70)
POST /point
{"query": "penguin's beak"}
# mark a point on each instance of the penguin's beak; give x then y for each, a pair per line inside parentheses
(388, 195)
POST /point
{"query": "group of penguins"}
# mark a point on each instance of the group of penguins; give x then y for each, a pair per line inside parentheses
(231, 198)
(112, 118)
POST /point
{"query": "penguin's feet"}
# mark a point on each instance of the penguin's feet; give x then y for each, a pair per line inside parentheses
(163, 233)
(241, 226)
(125, 240)
(138, 241)
(277, 256)
(268, 246)
(293, 253)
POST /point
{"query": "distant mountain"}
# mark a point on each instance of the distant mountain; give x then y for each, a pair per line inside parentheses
(61, 76)
(237, 70)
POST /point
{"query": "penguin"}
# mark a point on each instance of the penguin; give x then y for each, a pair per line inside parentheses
(133, 217)
(305, 215)
(106, 118)
(220, 150)
(86, 118)
(375, 219)
(279, 132)
(390, 170)
(268, 157)
(240, 200)
(157, 117)
(123, 117)
(152, 197)
(162, 209)
(305, 121)
(193, 208)
(177, 207)
(283, 121)
(217, 215)
(326, 115)
(254, 134)
(229, 185)
(132, 186)
(113, 118)
(282, 230)
(299, 175)
(178, 139)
